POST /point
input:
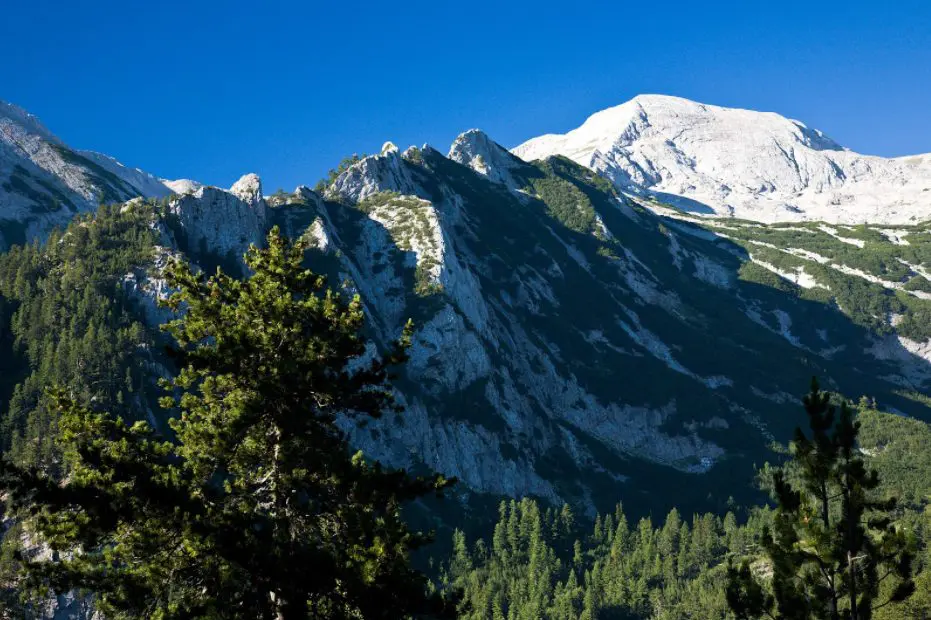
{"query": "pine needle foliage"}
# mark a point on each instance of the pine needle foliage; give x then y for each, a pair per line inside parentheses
(257, 508)
(833, 542)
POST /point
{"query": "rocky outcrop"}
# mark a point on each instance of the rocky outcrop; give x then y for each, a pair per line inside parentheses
(220, 221)
(92, 176)
(373, 174)
(486, 157)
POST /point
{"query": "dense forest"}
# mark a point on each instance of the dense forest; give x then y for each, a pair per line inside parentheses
(543, 562)
(208, 503)
(70, 323)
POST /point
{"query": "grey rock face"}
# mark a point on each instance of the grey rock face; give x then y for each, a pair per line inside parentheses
(543, 364)
(486, 157)
(223, 222)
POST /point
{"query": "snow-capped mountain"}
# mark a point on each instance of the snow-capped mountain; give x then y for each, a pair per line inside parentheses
(45, 182)
(752, 165)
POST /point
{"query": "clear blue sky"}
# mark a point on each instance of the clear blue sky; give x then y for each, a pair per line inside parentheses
(212, 90)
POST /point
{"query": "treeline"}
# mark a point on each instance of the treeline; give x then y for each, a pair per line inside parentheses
(541, 564)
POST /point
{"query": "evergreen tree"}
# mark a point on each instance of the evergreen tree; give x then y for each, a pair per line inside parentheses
(259, 509)
(832, 542)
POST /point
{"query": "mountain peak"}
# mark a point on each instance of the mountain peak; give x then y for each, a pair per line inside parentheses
(182, 186)
(669, 115)
(476, 150)
(686, 109)
(653, 102)
(28, 122)
(731, 161)
(248, 188)
(386, 171)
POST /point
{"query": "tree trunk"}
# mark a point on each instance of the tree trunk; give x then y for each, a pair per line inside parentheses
(852, 549)
(851, 561)
(826, 517)
(278, 602)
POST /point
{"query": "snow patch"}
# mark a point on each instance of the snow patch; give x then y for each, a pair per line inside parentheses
(799, 276)
(818, 258)
(833, 232)
(895, 236)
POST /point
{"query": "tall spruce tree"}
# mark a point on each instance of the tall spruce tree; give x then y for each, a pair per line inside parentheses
(833, 542)
(258, 509)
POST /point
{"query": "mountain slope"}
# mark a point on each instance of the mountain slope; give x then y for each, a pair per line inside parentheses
(45, 182)
(752, 165)
(571, 343)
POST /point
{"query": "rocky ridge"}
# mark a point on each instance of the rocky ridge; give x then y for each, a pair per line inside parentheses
(525, 322)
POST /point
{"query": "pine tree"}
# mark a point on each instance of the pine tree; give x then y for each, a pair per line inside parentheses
(832, 543)
(259, 509)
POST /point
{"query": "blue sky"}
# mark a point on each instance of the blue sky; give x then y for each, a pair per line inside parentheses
(212, 90)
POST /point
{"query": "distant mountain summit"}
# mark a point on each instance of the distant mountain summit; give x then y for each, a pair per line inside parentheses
(753, 165)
